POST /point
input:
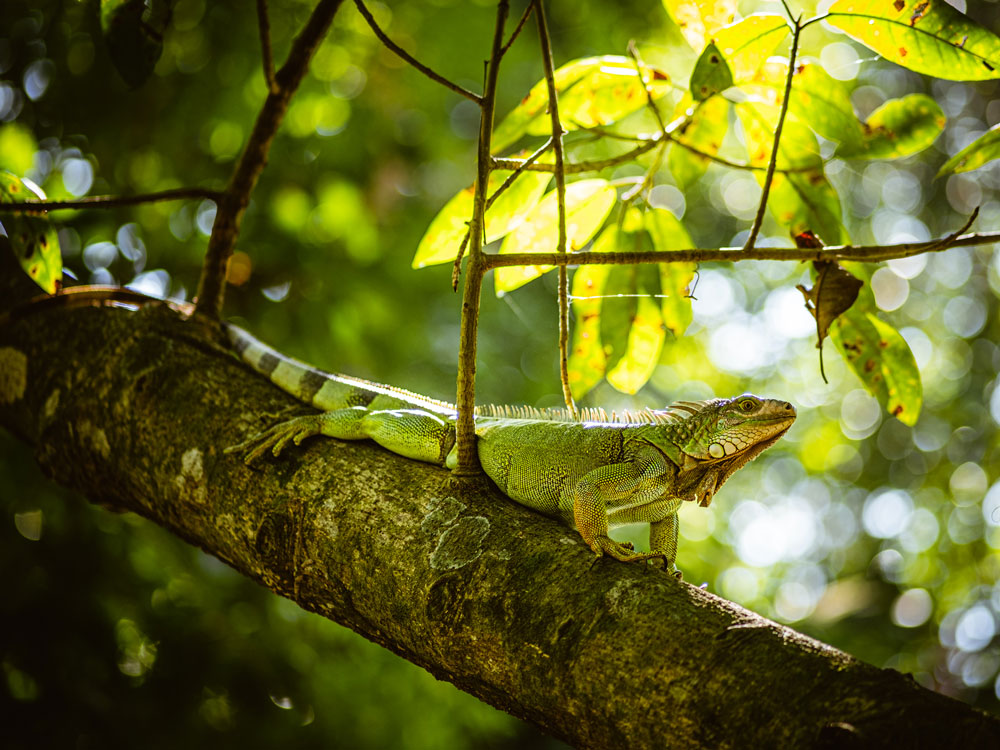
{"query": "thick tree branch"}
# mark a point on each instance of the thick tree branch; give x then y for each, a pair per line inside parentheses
(226, 230)
(133, 409)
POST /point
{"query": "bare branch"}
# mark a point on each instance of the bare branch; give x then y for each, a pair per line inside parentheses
(560, 172)
(468, 460)
(517, 29)
(226, 230)
(759, 218)
(411, 59)
(583, 166)
(111, 201)
(267, 58)
(861, 253)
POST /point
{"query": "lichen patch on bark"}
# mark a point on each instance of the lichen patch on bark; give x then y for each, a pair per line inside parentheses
(461, 543)
(95, 437)
(13, 374)
(191, 481)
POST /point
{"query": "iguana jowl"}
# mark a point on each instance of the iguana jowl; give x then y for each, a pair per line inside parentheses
(592, 473)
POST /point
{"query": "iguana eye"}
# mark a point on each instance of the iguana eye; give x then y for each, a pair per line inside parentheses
(748, 404)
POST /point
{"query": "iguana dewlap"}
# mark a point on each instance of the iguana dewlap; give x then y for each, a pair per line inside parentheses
(593, 473)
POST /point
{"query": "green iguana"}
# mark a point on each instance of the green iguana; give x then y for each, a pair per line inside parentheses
(592, 473)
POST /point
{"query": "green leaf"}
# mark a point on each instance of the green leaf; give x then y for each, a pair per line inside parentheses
(593, 91)
(133, 31)
(981, 151)
(587, 358)
(17, 148)
(824, 104)
(748, 43)
(927, 36)
(700, 19)
(899, 127)
(880, 356)
(32, 239)
(668, 234)
(588, 203)
(619, 307)
(807, 202)
(642, 352)
(711, 74)
(759, 117)
(706, 126)
(444, 236)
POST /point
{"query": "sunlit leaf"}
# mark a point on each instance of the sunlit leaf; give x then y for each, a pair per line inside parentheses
(879, 355)
(133, 31)
(928, 36)
(981, 151)
(621, 300)
(32, 239)
(711, 74)
(698, 20)
(17, 148)
(444, 236)
(642, 352)
(806, 201)
(759, 116)
(593, 91)
(823, 104)
(899, 127)
(587, 358)
(588, 203)
(748, 43)
(667, 233)
(701, 137)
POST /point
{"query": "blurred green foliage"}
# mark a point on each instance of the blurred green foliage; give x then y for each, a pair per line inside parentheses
(874, 536)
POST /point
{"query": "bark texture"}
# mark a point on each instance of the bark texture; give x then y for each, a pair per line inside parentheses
(133, 409)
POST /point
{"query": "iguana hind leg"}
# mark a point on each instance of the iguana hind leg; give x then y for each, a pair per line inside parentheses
(346, 424)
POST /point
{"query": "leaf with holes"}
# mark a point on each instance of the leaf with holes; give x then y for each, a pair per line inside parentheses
(882, 359)
(899, 127)
(588, 203)
(444, 236)
(593, 91)
(981, 151)
(711, 74)
(698, 20)
(927, 36)
(32, 239)
(748, 43)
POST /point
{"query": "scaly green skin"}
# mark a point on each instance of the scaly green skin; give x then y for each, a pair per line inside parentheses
(594, 473)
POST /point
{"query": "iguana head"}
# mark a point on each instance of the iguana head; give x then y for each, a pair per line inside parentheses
(723, 431)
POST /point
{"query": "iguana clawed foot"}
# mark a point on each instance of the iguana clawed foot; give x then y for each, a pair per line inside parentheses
(277, 437)
(625, 552)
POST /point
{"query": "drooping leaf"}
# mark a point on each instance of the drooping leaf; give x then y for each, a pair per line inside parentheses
(621, 300)
(642, 352)
(667, 233)
(592, 91)
(981, 151)
(927, 36)
(443, 237)
(834, 290)
(698, 20)
(588, 203)
(587, 359)
(707, 122)
(880, 356)
(899, 127)
(711, 74)
(133, 31)
(33, 239)
(747, 43)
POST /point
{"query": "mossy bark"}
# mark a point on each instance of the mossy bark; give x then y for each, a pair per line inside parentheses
(133, 409)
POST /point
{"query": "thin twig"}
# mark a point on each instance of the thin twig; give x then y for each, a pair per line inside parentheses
(633, 52)
(772, 163)
(583, 166)
(465, 428)
(411, 59)
(267, 57)
(861, 253)
(111, 201)
(456, 270)
(233, 204)
(561, 246)
(517, 29)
